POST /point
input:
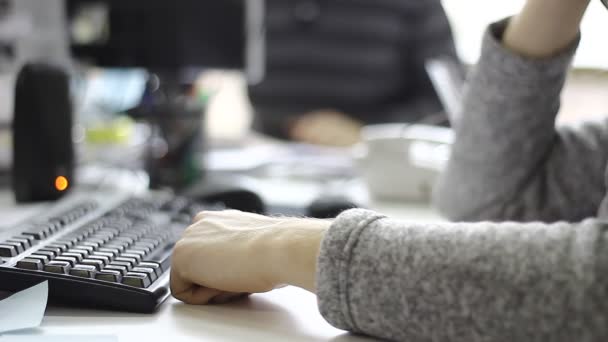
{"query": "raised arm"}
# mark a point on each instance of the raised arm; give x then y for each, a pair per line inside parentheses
(509, 161)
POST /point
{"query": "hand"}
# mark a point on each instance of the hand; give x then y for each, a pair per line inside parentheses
(326, 127)
(224, 255)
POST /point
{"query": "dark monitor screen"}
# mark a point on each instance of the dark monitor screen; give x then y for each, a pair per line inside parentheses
(158, 34)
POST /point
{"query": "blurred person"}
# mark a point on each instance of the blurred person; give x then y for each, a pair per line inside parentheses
(333, 66)
(544, 278)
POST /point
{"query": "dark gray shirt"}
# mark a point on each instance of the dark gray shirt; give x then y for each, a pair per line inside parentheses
(364, 58)
(513, 281)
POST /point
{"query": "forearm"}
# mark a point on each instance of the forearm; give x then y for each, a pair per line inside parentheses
(464, 282)
(545, 27)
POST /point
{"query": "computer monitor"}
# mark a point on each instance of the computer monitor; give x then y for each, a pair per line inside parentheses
(159, 35)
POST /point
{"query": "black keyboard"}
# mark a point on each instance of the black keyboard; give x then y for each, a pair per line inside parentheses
(101, 250)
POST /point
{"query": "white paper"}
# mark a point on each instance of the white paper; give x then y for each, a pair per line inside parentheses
(24, 309)
(57, 338)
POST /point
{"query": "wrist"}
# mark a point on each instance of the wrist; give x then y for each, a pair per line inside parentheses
(298, 245)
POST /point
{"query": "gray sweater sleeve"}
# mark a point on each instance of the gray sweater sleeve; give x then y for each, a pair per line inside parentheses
(509, 161)
(465, 282)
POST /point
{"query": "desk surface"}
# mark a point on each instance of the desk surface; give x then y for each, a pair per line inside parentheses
(288, 314)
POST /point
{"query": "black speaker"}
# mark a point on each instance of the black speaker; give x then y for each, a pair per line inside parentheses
(43, 151)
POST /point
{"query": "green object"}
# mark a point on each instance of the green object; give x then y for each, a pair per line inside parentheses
(117, 131)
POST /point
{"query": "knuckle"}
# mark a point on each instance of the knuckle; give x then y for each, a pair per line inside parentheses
(178, 252)
(230, 212)
(190, 229)
(200, 216)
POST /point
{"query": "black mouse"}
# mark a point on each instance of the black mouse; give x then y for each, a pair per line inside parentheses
(329, 206)
(230, 195)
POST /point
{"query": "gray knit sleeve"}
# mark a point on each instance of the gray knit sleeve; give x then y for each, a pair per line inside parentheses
(465, 282)
(509, 161)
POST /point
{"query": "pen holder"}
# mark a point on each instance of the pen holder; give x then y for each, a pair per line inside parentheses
(174, 150)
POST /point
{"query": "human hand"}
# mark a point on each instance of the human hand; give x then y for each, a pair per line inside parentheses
(326, 127)
(227, 254)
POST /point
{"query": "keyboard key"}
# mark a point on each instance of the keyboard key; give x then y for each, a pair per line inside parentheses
(101, 258)
(144, 247)
(150, 272)
(110, 231)
(63, 219)
(132, 262)
(53, 251)
(65, 242)
(18, 246)
(136, 279)
(49, 254)
(164, 260)
(84, 231)
(72, 260)
(110, 256)
(97, 263)
(36, 233)
(43, 258)
(130, 236)
(151, 242)
(25, 243)
(118, 268)
(93, 244)
(126, 264)
(83, 271)
(55, 224)
(103, 235)
(121, 224)
(152, 265)
(8, 250)
(61, 267)
(109, 275)
(61, 247)
(49, 227)
(82, 252)
(30, 264)
(72, 239)
(104, 238)
(118, 247)
(89, 249)
(123, 241)
(137, 257)
(113, 251)
(29, 238)
(140, 253)
(77, 256)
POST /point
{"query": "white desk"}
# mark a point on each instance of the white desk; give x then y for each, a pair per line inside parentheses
(288, 314)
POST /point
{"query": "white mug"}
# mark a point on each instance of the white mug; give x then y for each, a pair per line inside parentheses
(402, 162)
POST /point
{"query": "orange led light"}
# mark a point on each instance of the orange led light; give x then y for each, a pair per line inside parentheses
(61, 183)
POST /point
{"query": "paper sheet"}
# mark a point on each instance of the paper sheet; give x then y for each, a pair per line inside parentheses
(24, 309)
(57, 338)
